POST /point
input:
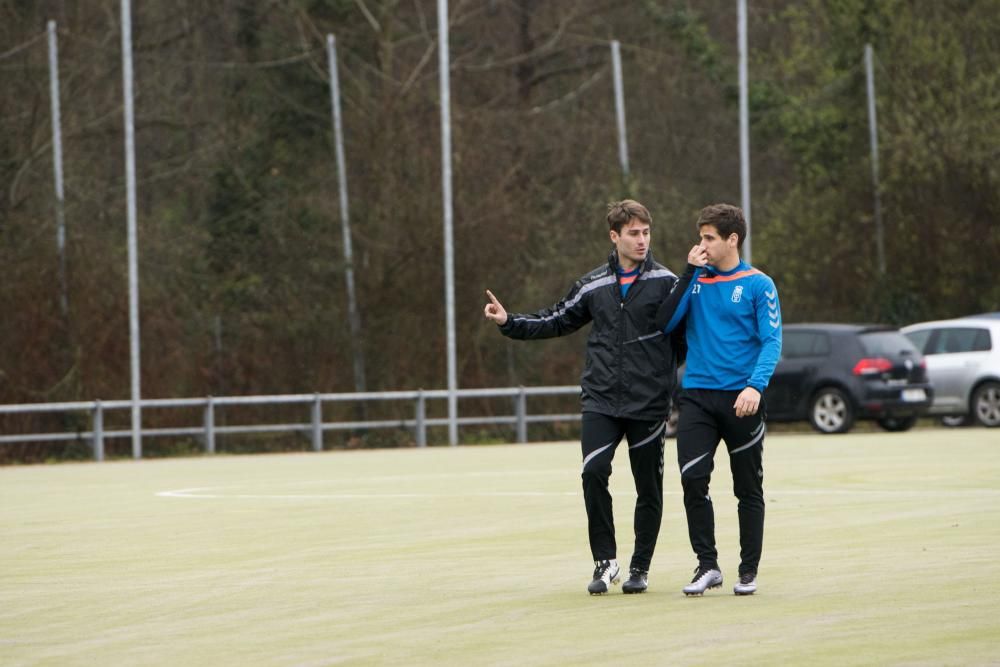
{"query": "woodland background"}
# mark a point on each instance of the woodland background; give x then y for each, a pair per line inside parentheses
(240, 257)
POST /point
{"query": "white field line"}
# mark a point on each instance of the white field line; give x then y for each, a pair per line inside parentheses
(202, 492)
(228, 492)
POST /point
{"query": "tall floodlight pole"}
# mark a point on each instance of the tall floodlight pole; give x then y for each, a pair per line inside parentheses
(744, 127)
(616, 68)
(57, 166)
(873, 138)
(338, 137)
(133, 263)
(449, 249)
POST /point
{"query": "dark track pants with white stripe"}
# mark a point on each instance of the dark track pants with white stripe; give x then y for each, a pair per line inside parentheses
(706, 416)
(600, 437)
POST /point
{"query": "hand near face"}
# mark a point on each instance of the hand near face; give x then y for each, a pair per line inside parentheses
(494, 311)
(697, 256)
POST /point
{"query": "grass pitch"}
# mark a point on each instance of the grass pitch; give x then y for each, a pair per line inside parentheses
(879, 549)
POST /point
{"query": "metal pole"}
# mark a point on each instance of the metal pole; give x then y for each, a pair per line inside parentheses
(744, 128)
(98, 431)
(217, 367)
(133, 263)
(317, 424)
(338, 136)
(873, 138)
(421, 419)
(449, 250)
(616, 68)
(210, 426)
(522, 414)
(57, 165)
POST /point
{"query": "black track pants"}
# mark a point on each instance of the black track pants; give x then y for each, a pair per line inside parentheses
(600, 438)
(706, 416)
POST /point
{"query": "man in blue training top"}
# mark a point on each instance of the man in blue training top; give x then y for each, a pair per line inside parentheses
(733, 323)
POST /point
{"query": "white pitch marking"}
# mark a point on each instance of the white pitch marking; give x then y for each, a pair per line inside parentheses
(446, 475)
(201, 492)
(887, 493)
(211, 492)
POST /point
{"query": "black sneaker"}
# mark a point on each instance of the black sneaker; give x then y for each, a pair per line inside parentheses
(605, 574)
(636, 581)
(704, 578)
(747, 585)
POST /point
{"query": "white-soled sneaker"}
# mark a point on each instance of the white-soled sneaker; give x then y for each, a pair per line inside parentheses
(747, 585)
(704, 578)
(605, 573)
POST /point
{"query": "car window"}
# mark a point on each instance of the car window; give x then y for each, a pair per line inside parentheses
(821, 345)
(919, 338)
(804, 344)
(796, 344)
(886, 343)
(982, 342)
(960, 339)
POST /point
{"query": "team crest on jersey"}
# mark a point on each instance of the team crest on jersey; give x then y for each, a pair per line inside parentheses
(737, 293)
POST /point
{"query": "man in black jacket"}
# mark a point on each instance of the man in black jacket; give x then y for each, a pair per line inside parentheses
(626, 385)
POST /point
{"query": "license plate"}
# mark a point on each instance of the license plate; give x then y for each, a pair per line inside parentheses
(914, 395)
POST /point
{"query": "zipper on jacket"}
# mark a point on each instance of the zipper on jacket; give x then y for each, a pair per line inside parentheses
(620, 347)
(621, 330)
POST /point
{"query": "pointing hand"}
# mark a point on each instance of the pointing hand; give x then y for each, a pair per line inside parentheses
(494, 310)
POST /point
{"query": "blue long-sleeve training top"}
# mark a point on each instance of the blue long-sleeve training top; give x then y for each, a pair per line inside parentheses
(733, 327)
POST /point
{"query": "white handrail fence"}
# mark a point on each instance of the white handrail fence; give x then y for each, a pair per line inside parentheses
(208, 430)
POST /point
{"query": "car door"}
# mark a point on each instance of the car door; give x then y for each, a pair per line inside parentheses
(802, 352)
(954, 356)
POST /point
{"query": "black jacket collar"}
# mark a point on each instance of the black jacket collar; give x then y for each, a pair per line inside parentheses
(646, 265)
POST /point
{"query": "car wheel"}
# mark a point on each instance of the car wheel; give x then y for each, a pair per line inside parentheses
(986, 404)
(955, 421)
(897, 424)
(831, 411)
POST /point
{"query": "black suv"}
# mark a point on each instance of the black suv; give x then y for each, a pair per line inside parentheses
(834, 374)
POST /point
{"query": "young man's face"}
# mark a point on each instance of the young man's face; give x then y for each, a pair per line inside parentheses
(720, 251)
(632, 243)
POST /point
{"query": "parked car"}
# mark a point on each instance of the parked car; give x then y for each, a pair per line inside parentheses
(963, 363)
(835, 374)
(831, 375)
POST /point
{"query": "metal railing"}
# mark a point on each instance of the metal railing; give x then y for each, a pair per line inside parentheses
(207, 430)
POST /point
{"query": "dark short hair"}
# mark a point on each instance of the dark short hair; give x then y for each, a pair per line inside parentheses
(727, 219)
(620, 212)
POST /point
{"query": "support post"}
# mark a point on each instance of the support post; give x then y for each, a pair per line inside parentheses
(421, 418)
(873, 139)
(522, 413)
(744, 128)
(449, 246)
(210, 426)
(616, 68)
(98, 429)
(57, 167)
(317, 424)
(133, 249)
(353, 317)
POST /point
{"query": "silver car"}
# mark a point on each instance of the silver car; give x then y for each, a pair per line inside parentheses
(963, 364)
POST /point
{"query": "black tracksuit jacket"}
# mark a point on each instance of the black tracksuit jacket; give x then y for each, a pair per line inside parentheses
(631, 369)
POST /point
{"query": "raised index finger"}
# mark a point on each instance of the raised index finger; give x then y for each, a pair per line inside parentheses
(492, 298)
